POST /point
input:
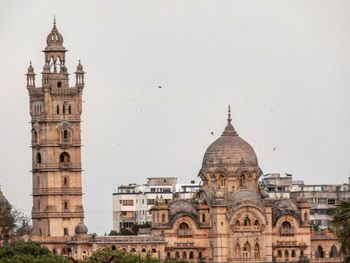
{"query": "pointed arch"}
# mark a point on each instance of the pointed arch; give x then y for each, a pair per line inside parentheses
(246, 250)
(38, 158)
(256, 251)
(333, 253)
(246, 221)
(64, 158)
(319, 252)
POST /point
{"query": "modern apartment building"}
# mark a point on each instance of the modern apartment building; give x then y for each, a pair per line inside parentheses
(132, 202)
(322, 198)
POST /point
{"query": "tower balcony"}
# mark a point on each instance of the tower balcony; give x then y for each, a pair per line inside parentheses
(56, 166)
(64, 143)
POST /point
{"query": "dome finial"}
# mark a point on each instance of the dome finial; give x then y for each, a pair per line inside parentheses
(229, 114)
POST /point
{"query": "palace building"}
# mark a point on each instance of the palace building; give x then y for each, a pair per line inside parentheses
(229, 219)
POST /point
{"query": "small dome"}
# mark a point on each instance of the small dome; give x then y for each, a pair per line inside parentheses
(229, 150)
(79, 67)
(30, 68)
(54, 38)
(81, 229)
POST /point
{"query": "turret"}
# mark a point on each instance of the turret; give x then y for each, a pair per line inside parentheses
(30, 76)
(79, 76)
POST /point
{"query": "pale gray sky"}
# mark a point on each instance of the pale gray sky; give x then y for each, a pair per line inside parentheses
(283, 65)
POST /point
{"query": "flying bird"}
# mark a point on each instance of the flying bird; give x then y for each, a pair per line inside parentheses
(274, 148)
(159, 87)
(212, 133)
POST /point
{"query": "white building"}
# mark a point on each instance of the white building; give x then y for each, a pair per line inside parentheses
(323, 198)
(132, 202)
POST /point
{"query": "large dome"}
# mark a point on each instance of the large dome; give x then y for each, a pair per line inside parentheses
(229, 150)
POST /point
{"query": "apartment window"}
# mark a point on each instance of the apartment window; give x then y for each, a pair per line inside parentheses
(331, 201)
(128, 202)
(153, 190)
(150, 201)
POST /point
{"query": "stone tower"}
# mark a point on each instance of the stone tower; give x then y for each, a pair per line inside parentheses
(55, 110)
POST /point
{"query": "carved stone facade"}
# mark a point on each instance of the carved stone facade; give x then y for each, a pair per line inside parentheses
(55, 110)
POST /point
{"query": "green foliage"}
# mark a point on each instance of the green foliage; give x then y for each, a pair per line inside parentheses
(106, 254)
(145, 225)
(126, 232)
(28, 252)
(113, 233)
(341, 225)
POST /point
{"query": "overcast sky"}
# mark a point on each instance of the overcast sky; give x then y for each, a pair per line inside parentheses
(283, 65)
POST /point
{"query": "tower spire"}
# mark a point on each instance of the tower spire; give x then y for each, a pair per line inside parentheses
(229, 114)
(229, 130)
(54, 20)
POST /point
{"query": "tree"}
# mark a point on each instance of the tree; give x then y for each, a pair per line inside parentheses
(112, 256)
(341, 226)
(7, 221)
(12, 221)
(28, 252)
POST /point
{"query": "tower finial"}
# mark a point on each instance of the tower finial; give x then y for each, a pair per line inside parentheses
(229, 114)
(54, 20)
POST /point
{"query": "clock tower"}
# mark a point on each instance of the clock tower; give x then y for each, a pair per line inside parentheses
(55, 110)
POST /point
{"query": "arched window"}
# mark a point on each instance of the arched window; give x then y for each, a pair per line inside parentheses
(293, 254)
(222, 181)
(191, 256)
(58, 109)
(256, 251)
(256, 223)
(200, 255)
(184, 229)
(65, 205)
(238, 250)
(153, 250)
(237, 223)
(163, 218)
(64, 157)
(246, 221)
(333, 253)
(65, 134)
(305, 218)
(38, 158)
(286, 229)
(246, 250)
(133, 250)
(65, 181)
(319, 252)
(168, 255)
(242, 181)
(279, 253)
(184, 255)
(177, 254)
(113, 247)
(286, 254)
